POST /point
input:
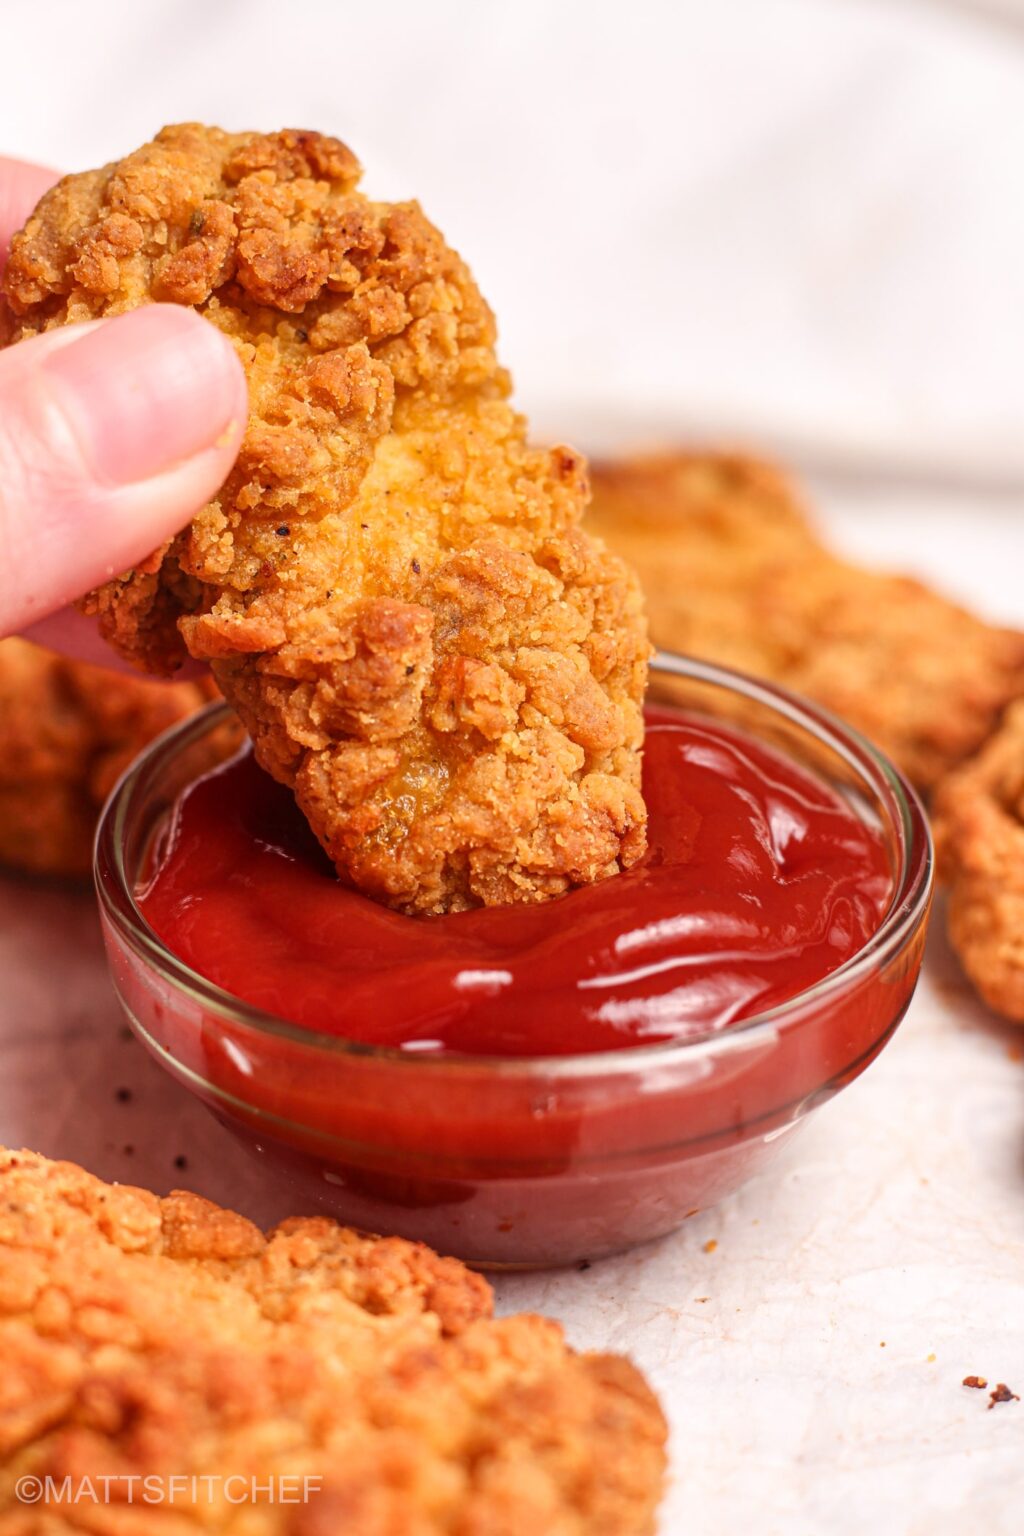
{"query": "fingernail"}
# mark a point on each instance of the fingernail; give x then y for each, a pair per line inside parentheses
(146, 390)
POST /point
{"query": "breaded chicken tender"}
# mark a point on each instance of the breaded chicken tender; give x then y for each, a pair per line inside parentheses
(734, 571)
(392, 588)
(979, 835)
(169, 1339)
(68, 730)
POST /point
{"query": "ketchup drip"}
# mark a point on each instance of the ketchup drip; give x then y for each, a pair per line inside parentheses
(759, 881)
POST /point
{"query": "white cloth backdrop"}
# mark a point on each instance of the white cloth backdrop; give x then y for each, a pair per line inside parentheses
(798, 220)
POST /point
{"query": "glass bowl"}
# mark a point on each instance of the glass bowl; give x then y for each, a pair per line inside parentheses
(529, 1161)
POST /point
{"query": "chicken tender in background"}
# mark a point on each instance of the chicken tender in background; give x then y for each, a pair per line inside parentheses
(392, 588)
(67, 732)
(734, 572)
(168, 1338)
(979, 835)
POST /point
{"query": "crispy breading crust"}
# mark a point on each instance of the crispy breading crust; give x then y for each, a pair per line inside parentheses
(979, 836)
(148, 1337)
(67, 732)
(733, 571)
(392, 588)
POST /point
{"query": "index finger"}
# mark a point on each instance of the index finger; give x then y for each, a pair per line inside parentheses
(72, 634)
(21, 187)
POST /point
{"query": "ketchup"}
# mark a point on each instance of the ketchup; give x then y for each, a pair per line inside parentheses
(759, 881)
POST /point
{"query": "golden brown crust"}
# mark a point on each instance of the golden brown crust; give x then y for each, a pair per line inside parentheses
(979, 835)
(392, 588)
(146, 1337)
(733, 571)
(67, 732)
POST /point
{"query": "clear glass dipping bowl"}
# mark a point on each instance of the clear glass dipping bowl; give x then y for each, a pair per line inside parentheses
(524, 1162)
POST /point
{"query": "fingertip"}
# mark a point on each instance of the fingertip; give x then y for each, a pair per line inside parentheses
(22, 184)
(147, 390)
(76, 636)
(110, 440)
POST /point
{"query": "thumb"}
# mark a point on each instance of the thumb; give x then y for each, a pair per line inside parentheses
(112, 435)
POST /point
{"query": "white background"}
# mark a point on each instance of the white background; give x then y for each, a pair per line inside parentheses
(796, 223)
(795, 219)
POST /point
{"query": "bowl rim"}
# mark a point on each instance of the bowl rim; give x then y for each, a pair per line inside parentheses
(908, 906)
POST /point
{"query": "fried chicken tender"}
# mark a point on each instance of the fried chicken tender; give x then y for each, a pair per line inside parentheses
(67, 732)
(167, 1338)
(979, 836)
(392, 588)
(734, 571)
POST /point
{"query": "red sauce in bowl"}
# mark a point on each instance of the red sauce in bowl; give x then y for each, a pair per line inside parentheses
(759, 881)
(478, 1130)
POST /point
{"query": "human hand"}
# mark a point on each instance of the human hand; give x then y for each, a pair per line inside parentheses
(113, 434)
